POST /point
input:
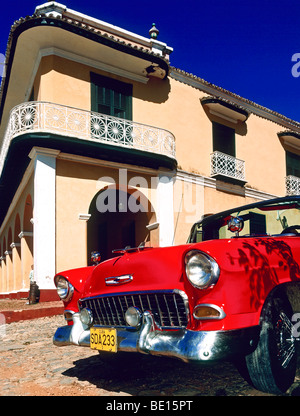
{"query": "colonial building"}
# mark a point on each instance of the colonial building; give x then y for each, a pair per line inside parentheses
(104, 144)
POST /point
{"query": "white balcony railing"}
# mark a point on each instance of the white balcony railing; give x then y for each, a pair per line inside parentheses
(47, 117)
(225, 165)
(292, 185)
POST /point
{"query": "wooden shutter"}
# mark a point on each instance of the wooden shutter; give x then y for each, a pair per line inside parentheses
(292, 164)
(223, 139)
(111, 97)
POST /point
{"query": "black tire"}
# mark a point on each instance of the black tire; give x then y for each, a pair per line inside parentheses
(272, 365)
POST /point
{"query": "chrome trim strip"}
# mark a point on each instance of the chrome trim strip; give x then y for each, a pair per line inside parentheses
(140, 292)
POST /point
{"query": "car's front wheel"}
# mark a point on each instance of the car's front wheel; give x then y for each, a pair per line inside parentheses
(272, 365)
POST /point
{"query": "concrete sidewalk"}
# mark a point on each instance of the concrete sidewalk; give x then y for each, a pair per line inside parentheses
(18, 310)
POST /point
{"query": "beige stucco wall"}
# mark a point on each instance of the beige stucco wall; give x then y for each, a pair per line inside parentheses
(63, 82)
(178, 110)
(264, 155)
(189, 206)
(217, 201)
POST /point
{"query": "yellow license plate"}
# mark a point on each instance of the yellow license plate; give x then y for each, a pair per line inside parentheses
(103, 339)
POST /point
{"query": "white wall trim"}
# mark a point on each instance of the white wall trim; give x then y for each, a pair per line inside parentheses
(165, 208)
(44, 225)
(211, 183)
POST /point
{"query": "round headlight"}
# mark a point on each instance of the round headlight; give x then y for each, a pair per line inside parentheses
(64, 288)
(201, 269)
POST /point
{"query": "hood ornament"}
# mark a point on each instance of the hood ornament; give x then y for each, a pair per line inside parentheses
(118, 280)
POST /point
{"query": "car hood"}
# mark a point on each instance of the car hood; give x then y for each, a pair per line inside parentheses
(149, 269)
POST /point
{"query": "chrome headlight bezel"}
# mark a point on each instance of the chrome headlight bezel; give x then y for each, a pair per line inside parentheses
(201, 269)
(64, 288)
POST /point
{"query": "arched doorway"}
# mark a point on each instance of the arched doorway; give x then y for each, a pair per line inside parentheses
(118, 220)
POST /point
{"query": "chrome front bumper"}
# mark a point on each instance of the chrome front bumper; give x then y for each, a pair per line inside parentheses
(184, 344)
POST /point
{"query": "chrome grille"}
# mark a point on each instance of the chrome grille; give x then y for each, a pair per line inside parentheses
(168, 308)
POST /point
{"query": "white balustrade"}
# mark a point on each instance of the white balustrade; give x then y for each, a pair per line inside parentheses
(37, 116)
(226, 165)
(292, 184)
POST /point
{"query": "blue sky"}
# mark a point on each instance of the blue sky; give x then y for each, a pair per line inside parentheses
(245, 46)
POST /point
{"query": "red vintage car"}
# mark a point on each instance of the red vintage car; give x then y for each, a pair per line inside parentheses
(231, 292)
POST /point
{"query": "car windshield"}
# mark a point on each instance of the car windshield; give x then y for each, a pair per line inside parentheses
(264, 218)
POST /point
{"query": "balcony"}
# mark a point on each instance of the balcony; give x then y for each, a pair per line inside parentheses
(292, 185)
(227, 168)
(45, 117)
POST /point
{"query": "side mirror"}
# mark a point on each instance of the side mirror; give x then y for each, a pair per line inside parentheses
(95, 257)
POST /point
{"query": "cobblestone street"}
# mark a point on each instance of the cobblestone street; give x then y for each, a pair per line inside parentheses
(31, 365)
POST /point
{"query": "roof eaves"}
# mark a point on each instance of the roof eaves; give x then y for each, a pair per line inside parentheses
(79, 28)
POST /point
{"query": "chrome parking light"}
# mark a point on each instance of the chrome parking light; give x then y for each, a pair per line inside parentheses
(86, 316)
(133, 316)
(206, 311)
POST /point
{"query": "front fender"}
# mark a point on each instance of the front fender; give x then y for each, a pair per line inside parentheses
(77, 278)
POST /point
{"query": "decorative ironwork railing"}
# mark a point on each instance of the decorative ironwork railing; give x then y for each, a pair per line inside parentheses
(292, 185)
(225, 165)
(47, 117)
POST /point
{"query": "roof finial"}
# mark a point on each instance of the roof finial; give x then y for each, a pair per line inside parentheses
(153, 32)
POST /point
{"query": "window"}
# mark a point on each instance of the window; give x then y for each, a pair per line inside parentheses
(292, 164)
(223, 139)
(111, 97)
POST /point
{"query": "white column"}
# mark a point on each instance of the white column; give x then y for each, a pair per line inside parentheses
(165, 208)
(44, 215)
